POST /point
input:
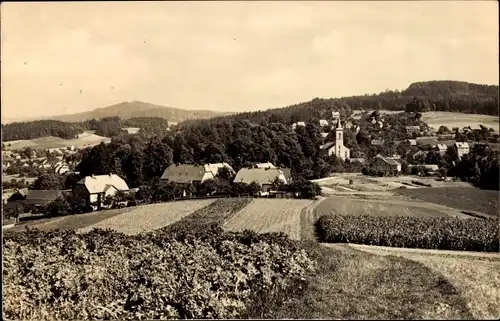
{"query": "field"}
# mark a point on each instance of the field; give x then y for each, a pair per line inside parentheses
(352, 281)
(148, 217)
(439, 118)
(270, 215)
(465, 198)
(343, 205)
(84, 140)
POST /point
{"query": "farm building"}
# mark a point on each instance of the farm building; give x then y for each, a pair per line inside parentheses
(323, 122)
(42, 197)
(336, 148)
(17, 196)
(93, 189)
(462, 148)
(385, 164)
(335, 116)
(263, 176)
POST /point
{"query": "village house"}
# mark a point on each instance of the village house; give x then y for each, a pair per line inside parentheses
(337, 147)
(94, 189)
(410, 130)
(348, 125)
(15, 197)
(427, 142)
(462, 148)
(420, 156)
(299, 123)
(377, 142)
(324, 135)
(411, 142)
(323, 122)
(441, 148)
(265, 165)
(188, 174)
(335, 116)
(39, 198)
(357, 160)
(262, 176)
(35, 198)
(385, 164)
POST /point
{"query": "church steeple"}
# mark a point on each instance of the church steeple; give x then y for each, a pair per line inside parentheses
(339, 125)
(339, 134)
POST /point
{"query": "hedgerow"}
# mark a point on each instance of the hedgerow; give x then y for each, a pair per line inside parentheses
(165, 274)
(443, 233)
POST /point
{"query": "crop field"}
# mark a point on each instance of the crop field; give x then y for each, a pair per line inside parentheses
(270, 215)
(149, 217)
(440, 118)
(84, 140)
(464, 198)
(217, 212)
(440, 233)
(343, 205)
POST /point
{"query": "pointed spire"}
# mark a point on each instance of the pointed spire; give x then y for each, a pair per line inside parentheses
(339, 126)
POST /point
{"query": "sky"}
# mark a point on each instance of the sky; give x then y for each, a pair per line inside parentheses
(68, 57)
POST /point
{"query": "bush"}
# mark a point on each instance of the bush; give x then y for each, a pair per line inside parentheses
(159, 275)
(446, 233)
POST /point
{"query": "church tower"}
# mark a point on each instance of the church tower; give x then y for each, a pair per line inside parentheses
(339, 134)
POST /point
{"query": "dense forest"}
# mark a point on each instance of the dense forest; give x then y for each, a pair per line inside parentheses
(451, 96)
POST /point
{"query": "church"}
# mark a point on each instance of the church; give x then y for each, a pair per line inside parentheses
(337, 147)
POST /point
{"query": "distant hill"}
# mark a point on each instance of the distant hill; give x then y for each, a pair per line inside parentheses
(133, 109)
(449, 96)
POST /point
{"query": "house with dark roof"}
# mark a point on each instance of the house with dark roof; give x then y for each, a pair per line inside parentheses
(16, 197)
(385, 164)
(39, 198)
(427, 141)
(262, 176)
(94, 189)
(187, 173)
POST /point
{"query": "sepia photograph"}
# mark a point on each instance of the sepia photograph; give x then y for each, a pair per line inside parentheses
(250, 160)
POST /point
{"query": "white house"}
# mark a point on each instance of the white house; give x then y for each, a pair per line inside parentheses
(462, 148)
(299, 123)
(93, 189)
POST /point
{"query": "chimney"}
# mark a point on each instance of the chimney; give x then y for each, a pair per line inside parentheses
(110, 174)
(93, 176)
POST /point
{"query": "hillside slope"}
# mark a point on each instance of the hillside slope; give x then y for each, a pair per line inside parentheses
(449, 96)
(126, 110)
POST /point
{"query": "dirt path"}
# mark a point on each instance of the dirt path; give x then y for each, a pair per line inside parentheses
(308, 219)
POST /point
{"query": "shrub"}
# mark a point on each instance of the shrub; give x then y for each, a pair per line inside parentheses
(448, 233)
(163, 274)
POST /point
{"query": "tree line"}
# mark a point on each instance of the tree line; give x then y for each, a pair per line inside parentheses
(107, 126)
